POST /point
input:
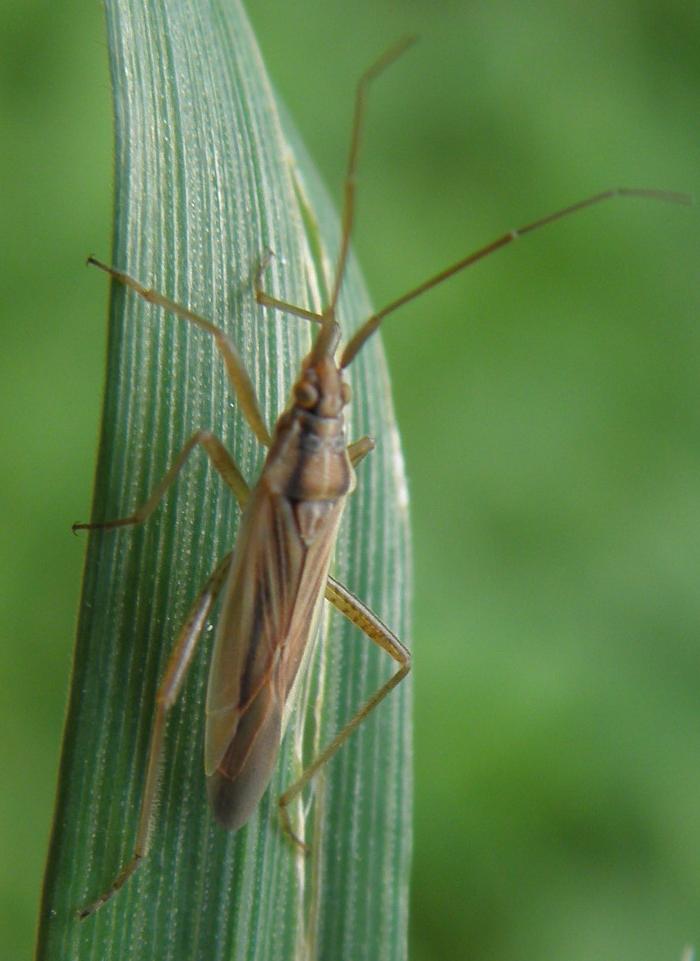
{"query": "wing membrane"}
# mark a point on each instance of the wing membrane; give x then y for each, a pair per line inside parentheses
(274, 590)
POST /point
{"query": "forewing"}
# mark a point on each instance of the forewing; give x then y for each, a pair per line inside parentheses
(275, 587)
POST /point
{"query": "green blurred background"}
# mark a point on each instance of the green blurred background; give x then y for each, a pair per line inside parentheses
(549, 410)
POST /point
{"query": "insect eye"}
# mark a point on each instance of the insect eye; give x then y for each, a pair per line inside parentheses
(345, 393)
(305, 394)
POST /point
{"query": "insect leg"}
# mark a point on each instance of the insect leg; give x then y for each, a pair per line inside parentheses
(368, 622)
(221, 460)
(359, 449)
(266, 300)
(175, 673)
(237, 374)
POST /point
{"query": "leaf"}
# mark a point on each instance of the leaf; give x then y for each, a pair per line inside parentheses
(205, 179)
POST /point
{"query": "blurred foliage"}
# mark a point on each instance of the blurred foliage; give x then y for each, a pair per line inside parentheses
(548, 404)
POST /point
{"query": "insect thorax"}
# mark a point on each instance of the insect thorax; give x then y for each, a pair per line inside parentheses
(308, 460)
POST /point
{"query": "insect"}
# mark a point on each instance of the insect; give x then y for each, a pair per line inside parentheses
(274, 581)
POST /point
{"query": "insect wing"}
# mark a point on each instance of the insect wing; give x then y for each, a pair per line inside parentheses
(270, 609)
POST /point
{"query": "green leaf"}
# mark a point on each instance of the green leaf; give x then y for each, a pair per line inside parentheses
(205, 179)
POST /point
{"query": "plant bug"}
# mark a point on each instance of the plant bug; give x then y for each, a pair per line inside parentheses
(274, 581)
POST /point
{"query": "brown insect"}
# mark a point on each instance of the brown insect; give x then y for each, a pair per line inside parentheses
(274, 581)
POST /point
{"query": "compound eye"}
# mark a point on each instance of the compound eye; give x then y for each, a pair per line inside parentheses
(345, 393)
(305, 394)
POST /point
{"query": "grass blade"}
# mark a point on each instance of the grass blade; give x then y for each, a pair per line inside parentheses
(204, 181)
